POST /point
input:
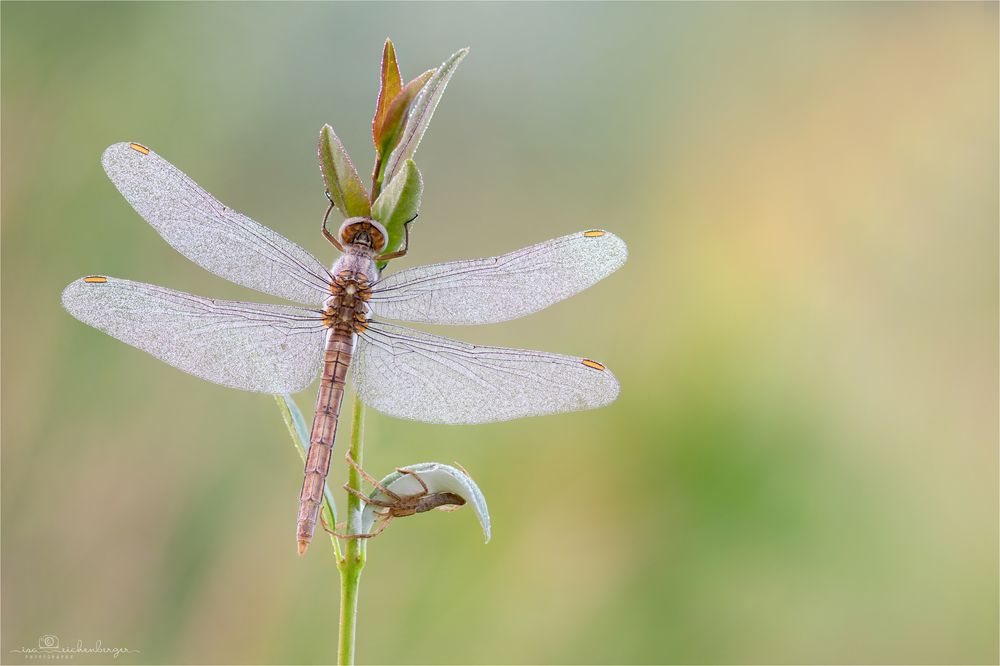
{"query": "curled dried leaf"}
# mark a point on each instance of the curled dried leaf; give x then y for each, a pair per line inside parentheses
(444, 484)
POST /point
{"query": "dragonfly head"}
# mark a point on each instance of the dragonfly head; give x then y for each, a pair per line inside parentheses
(364, 231)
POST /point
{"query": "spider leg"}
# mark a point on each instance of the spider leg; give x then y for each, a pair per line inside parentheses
(369, 478)
(367, 500)
(370, 535)
(326, 528)
(416, 476)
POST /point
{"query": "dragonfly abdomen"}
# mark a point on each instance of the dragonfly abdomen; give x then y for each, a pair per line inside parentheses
(337, 359)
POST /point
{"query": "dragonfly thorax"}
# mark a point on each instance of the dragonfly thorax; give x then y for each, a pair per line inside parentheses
(346, 308)
(364, 231)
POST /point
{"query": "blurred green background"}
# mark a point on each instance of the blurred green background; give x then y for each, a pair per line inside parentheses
(802, 465)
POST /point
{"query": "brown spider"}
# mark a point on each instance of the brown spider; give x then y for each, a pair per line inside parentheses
(398, 506)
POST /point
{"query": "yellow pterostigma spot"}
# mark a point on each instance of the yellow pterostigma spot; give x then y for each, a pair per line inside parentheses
(139, 148)
(593, 233)
(95, 279)
(592, 364)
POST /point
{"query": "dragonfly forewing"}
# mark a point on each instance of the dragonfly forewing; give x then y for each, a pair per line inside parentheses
(495, 289)
(249, 346)
(415, 375)
(207, 232)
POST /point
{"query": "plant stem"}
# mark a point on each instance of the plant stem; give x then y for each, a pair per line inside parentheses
(376, 187)
(354, 551)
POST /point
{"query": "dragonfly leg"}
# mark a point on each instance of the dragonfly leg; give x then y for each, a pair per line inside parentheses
(330, 237)
(369, 478)
(419, 480)
(406, 244)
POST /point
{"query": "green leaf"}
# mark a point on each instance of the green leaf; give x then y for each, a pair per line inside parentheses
(342, 181)
(420, 114)
(399, 203)
(391, 83)
(295, 421)
(297, 428)
(396, 117)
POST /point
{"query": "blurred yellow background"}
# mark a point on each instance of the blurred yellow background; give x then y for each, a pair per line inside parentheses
(802, 465)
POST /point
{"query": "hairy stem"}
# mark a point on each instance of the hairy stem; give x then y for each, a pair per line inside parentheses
(354, 550)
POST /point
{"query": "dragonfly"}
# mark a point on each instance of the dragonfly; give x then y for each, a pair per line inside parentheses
(341, 321)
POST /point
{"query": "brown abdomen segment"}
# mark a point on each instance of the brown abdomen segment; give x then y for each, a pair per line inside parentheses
(337, 359)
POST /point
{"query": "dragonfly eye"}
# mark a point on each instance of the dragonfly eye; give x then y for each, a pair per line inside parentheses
(365, 231)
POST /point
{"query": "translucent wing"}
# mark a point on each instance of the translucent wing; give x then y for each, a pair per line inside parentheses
(415, 375)
(215, 237)
(483, 291)
(249, 346)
